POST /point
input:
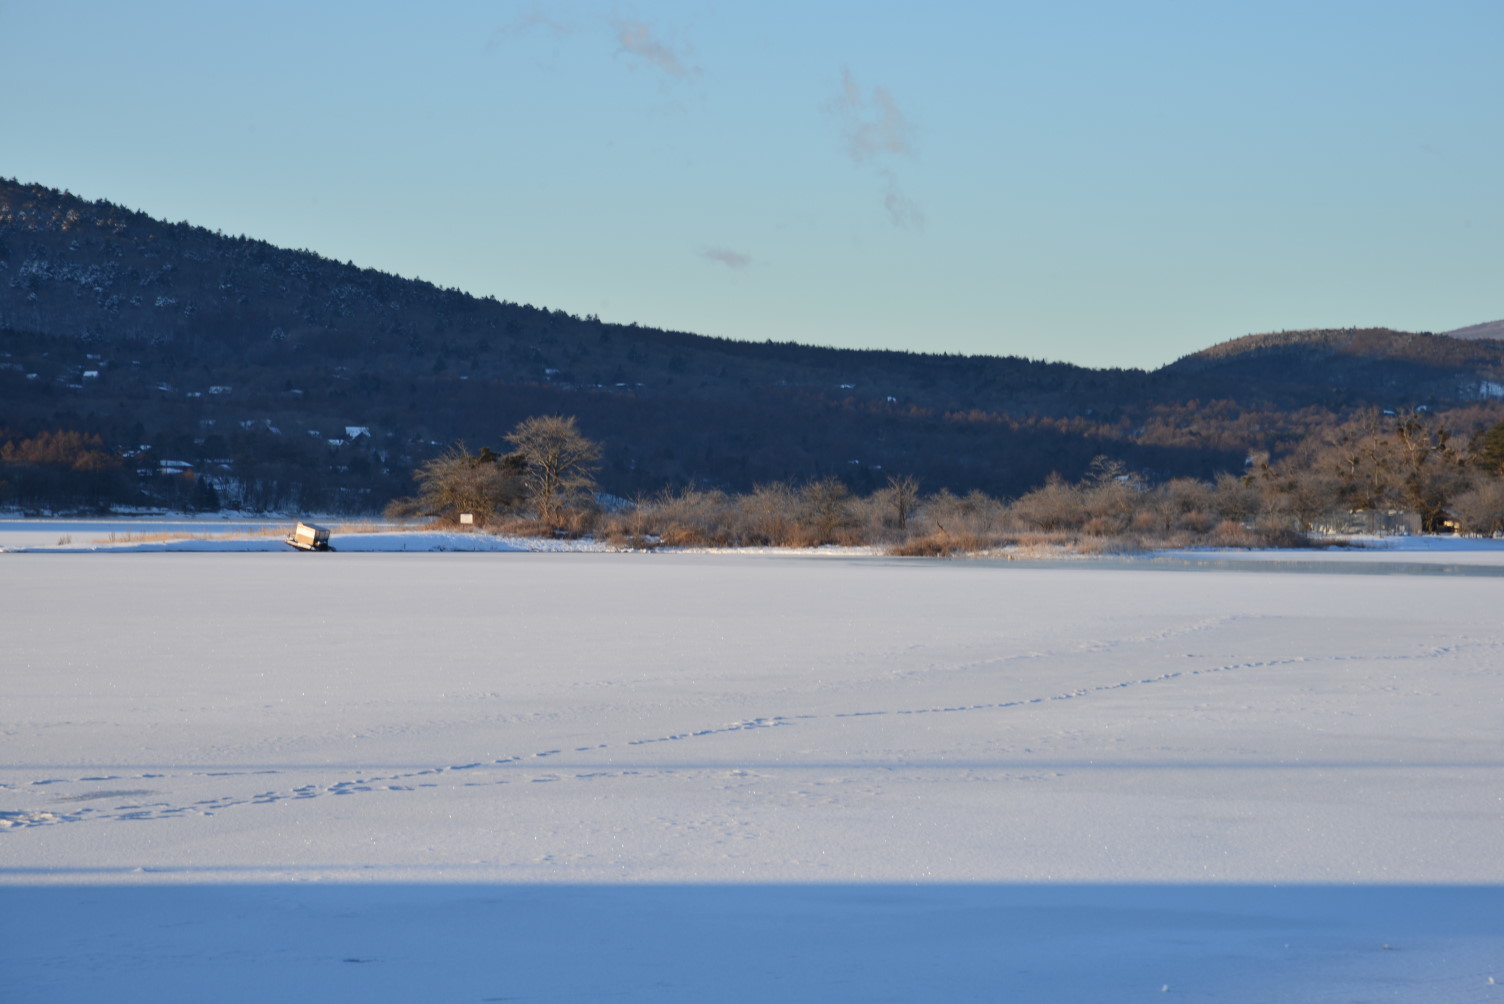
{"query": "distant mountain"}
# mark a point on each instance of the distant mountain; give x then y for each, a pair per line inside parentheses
(288, 379)
(1493, 329)
(1346, 366)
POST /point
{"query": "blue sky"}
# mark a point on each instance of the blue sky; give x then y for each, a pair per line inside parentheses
(1111, 184)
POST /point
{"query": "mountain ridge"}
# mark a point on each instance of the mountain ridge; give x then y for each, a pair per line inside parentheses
(1489, 329)
(213, 347)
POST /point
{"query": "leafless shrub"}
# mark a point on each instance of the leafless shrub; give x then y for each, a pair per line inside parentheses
(825, 513)
(614, 534)
(1055, 505)
(630, 527)
(1285, 537)
(1234, 498)
(1182, 504)
(1198, 522)
(941, 544)
(1480, 510)
(874, 520)
(521, 526)
(1109, 512)
(457, 482)
(768, 514)
(403, 508)
(691, 518)
(972, 515)
(1104, 526)
(570, 525)
(1110, 544)
(1111, 497)
(1232, 533)
(580, 521)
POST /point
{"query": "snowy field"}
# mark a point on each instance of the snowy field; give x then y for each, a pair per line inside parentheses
(656, 777)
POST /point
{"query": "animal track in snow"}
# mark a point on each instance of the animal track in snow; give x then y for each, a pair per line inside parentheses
(136, 811)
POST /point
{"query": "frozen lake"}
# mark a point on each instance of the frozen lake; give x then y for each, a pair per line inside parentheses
(684, 777)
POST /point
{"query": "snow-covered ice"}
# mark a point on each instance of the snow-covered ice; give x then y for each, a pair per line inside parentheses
(388, 776)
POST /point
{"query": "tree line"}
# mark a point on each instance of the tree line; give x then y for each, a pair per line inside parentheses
(1376, 472)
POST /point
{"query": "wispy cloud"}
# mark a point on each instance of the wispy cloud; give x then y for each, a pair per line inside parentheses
(727, 257)
(536, 20)
(903, 211)
(633, 37)
(637, 40)
(872, 126)
(875, 132)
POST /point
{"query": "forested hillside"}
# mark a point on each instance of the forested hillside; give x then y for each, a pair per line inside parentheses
(212, 369)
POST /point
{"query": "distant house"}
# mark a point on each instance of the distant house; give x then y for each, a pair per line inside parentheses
(356, 431)
(1389, 523)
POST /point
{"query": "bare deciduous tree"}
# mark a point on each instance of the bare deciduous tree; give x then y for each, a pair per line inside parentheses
(1404, 462)
(560, 463)
(900, 499)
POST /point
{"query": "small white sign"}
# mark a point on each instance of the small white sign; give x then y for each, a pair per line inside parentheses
(466, 518)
